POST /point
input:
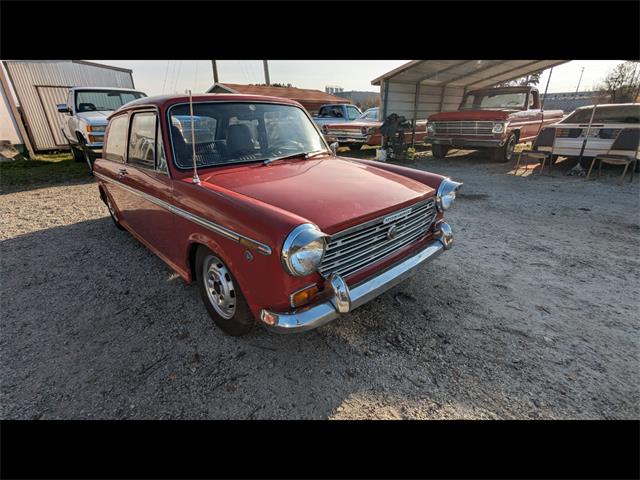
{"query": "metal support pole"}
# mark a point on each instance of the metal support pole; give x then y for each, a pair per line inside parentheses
(266, 72)
(579, 80)
(415, 115)
(215, 71)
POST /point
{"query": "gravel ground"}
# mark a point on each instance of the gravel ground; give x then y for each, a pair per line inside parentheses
(533, 314)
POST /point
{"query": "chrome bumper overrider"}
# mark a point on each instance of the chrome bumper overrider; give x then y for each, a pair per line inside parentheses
(346, 299)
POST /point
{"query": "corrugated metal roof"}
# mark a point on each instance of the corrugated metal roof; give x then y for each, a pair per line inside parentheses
(464, 73)
(301, 95)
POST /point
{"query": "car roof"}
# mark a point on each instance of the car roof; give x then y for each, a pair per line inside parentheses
(163, 101)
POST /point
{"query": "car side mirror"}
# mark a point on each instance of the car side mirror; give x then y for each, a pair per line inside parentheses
(62, 108)
(334, 148)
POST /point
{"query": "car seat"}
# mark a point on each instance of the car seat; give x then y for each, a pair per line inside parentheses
(86, 107)
(239, 141)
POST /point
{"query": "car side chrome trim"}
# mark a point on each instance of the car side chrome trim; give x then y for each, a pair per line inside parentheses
(214, 227)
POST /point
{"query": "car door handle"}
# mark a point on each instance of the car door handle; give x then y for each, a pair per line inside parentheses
(122, 172)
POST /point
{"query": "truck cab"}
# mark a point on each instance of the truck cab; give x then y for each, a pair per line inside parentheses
(495, 119)
(336, 113)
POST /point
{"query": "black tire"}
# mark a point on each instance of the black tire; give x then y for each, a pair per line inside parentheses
(112, 210)
(439, 151)
(504, 154)
(241, 320)
(355, 146)
(77, 154)
(636, 169)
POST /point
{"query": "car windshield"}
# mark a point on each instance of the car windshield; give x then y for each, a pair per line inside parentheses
(606, 114)
(489, 100)
(227, 133)
(105, 100)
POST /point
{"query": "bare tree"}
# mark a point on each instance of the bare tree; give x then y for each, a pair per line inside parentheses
(622, 83)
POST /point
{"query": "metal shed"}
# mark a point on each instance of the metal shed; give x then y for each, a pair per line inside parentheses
(420, 88)
(39, 86)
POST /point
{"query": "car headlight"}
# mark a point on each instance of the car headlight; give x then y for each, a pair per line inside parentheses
(303, 250)
(499, 127)
(431, 129)
(447, 194)
(96, 128)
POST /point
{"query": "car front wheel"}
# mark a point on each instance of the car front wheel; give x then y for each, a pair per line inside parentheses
(439, 151)
(505, 153)
(221, 294)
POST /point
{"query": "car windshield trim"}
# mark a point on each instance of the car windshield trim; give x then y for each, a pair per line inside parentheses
(181, 168)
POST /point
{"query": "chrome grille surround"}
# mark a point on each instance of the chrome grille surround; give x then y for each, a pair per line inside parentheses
(463, 128)
(357, 247)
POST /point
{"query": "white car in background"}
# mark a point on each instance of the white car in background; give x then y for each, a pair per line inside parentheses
(610, 129)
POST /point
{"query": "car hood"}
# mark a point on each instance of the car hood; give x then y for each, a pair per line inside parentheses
(332, 192)
(98, 117)
(472, 115)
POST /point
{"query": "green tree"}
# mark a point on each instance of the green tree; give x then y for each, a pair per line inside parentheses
(531, 79)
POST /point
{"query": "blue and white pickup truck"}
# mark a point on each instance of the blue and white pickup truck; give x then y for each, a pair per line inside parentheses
(87, 109)
(336, 113)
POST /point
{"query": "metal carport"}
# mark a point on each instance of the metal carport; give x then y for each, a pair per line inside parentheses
(420, 88)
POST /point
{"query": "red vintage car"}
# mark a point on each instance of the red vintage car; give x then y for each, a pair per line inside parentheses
(245, 197)
(366, 131)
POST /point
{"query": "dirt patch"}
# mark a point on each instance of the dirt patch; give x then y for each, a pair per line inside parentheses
(533, 314)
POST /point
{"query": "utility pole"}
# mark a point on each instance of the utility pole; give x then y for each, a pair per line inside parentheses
(266, 72)
(579, 80)
(215, 71)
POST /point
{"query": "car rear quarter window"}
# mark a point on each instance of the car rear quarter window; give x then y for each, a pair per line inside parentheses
(115, 146)
(142, 140)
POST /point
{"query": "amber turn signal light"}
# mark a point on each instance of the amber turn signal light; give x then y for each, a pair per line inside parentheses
(304, 296)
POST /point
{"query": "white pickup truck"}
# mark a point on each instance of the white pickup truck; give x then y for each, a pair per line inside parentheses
(336, 113)
(88, 109)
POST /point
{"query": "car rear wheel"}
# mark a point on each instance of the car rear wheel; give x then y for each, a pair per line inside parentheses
(355, 146)
(505, 153)
(221, 294)
(112, 212)
(439, 151)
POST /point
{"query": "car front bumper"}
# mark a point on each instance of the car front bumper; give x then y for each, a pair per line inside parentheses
(467, 142)
(346, 299)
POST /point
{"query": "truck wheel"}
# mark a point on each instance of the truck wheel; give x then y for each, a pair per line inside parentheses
(439, 151)
(221, 294)
(77, 154)
(505, 153)
(355, 146)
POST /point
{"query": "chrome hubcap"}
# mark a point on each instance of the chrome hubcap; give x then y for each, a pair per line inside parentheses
(220, 288)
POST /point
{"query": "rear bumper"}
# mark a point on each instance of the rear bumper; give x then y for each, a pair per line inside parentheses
(346, 299)
(467, 142)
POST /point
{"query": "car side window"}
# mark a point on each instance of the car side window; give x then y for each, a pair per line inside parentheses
(116, 141)
(142, 140)
(353, 113)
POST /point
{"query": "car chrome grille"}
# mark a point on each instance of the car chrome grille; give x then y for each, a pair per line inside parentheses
(463, 128)
(357, 247)
(345, 132)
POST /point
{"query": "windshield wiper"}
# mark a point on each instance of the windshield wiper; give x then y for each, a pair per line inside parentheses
(294, 155)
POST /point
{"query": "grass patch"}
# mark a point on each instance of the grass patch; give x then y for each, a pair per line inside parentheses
(41, 170)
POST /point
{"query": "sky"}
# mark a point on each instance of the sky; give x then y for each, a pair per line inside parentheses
(155, 77)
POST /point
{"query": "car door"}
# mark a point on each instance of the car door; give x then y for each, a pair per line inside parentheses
(147, 179)
(112, 163)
